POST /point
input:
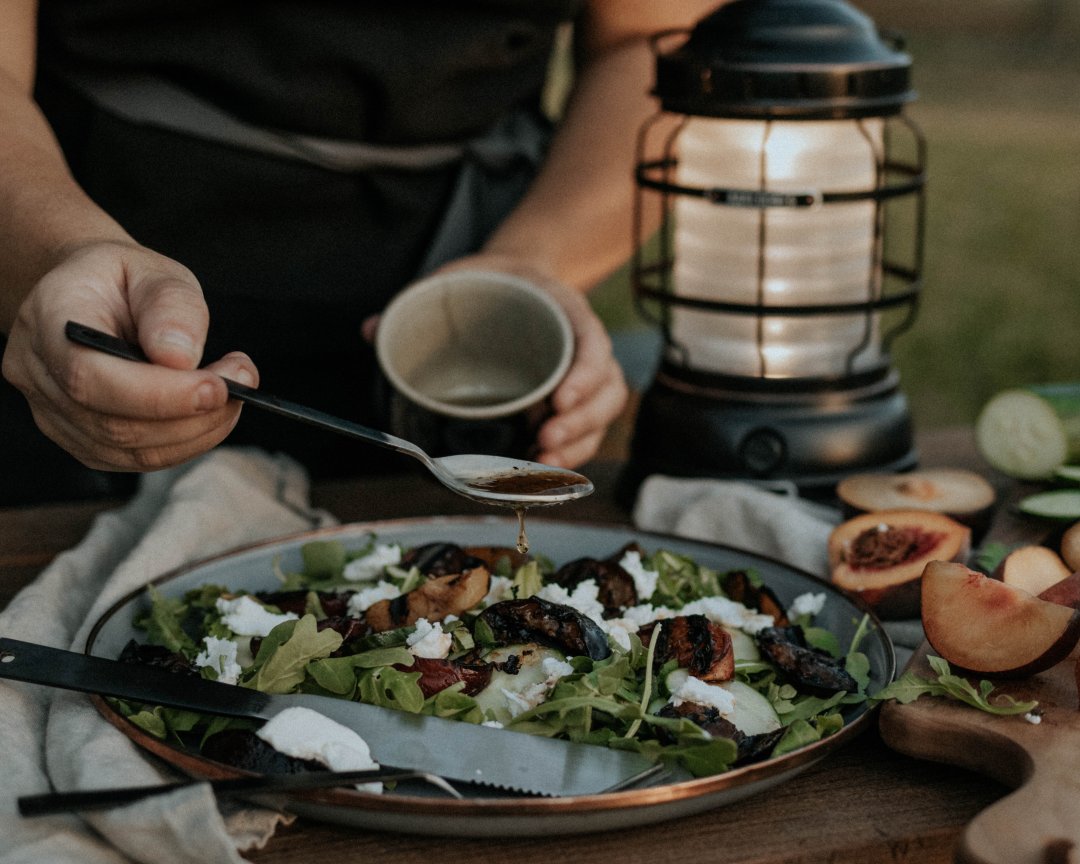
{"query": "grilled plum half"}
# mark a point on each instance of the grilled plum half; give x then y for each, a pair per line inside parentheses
(553, 624)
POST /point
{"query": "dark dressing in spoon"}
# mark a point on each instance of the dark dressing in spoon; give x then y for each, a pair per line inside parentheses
(525, 482)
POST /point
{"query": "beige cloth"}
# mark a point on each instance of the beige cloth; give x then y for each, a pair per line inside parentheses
(56, 740)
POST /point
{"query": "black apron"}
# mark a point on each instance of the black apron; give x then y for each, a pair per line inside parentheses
(398, 137)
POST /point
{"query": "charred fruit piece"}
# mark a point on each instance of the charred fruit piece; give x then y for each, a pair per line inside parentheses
(805, 667)
(738, 587)
(437, 674)
(616, 586)
(158, 656)
(245, 750)
(440, 559)
(551, 624)
(880, 556)
(699, 645)
(436, 598)
(333, 603)
(985, 626)
(492, 556)
(751, 748)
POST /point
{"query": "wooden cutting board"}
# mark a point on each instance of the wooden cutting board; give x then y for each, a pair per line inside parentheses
(1039, 822)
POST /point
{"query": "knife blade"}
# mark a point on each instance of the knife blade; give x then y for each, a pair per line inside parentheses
(452, 749)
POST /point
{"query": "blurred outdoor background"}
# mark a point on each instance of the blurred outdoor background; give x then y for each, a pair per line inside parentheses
(998, 86)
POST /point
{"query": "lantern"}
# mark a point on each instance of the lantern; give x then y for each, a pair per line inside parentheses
(767, 184)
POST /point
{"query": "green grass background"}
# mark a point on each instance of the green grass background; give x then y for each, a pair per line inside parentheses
(999, 103)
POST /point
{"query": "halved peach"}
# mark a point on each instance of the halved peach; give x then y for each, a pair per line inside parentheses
(962, 495)
(880, 556)
(1070, 546)
(985, 626)
(1065, 593)
(1032, 568)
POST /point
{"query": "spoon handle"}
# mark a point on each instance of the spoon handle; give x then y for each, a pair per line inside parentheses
(91, 338)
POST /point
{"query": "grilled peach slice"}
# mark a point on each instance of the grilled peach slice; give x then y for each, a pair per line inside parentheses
(880, 556)
(990, 628)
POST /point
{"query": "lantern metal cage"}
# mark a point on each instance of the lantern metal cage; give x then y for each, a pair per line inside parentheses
(811, 411)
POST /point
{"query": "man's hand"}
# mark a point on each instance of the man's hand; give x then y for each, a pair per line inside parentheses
(109, 413)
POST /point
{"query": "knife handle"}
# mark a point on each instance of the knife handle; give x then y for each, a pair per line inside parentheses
(50, 803)
(54, 667)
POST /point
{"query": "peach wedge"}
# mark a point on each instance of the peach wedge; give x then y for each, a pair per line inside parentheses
(988, 627)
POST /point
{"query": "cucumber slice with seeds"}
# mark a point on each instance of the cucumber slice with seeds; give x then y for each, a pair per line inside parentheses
(1030, 433)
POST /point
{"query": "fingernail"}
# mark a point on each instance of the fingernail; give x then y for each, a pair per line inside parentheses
(176, 339)
(243, 376)
(205, 397)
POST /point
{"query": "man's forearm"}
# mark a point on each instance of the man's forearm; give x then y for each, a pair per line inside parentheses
(42, 210)
(575, 222)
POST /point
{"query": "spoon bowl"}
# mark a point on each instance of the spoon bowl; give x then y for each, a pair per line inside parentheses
(497, 480)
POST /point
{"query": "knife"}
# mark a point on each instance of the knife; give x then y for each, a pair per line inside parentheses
(452, 749)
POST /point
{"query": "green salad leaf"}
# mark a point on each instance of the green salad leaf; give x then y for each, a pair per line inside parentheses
(911, 685)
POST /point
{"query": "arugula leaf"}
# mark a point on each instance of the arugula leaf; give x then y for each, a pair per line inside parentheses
(164, 623)
(910, 686)
(339, 674)
(323, 559)
(989, 556)
(392, 688)
(280, 666)
(680, 579)
(527, 581)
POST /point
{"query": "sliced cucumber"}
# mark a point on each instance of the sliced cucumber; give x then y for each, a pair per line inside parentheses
(1029, 433)
(753, 714)
(743, 645)
(493, 699)
(1068, 473)
(1056, 504)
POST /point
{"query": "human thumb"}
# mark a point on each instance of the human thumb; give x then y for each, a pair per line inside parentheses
(171, 320)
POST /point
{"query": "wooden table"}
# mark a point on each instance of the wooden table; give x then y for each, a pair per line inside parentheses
(866, 804)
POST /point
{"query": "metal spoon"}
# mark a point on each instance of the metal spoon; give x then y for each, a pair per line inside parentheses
(489, 479)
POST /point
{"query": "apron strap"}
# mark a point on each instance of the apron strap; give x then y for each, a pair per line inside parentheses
(152, 101)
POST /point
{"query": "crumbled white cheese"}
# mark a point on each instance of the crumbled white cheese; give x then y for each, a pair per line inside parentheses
(1033, 718)
(365, 598)
(493, 724)
(220, 655)
(644, 580)
(700, 693)
(368, 567)
(633, 619)
(429, 641)
(555, 669)
(499, 589)
(246, 616)
(807, 604)
(534, 694)
(721, 610)
(306, 734)
(583, 599)
(530, 697)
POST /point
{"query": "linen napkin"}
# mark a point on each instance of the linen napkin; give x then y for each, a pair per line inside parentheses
(777, 523)
(54, 739)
